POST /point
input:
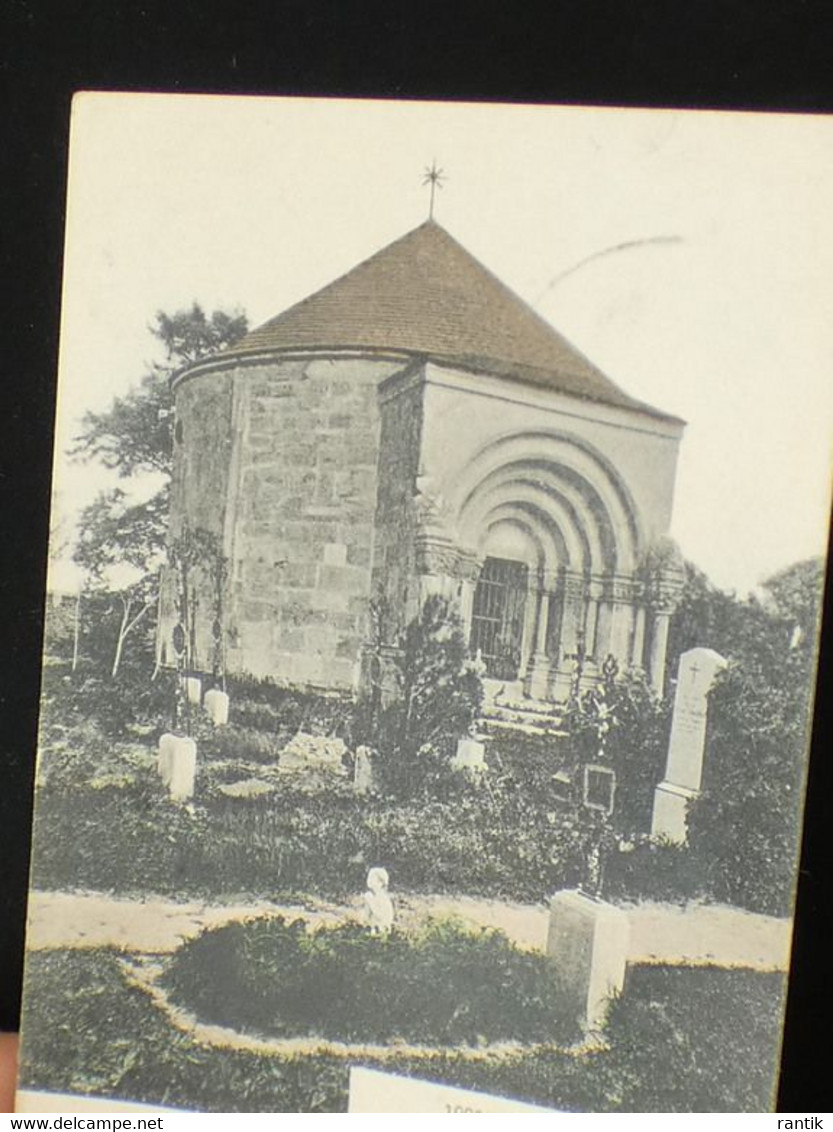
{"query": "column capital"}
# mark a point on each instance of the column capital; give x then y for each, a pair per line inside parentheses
(622, 589)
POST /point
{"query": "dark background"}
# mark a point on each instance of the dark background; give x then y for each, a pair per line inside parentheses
(745, 54)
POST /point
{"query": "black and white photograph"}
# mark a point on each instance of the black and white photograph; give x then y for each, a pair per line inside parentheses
(440, 506)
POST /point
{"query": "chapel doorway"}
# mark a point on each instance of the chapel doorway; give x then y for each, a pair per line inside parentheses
(497, 619)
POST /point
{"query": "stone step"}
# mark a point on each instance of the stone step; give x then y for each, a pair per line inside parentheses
(490, 724)
(528, 707)
(532, 716)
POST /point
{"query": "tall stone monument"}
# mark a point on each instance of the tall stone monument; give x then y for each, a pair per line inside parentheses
(696, 674)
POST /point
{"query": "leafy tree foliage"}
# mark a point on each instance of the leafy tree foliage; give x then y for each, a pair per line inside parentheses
(437, 698)
(621, 723)
(745, 827)
(134, 434)
(121, 538)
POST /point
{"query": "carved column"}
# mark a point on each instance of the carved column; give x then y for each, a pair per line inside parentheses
(620, 594)
(591, 622)
(638, 646)
(539, 669)
(659, 647)
(665, 579)
(572, 622)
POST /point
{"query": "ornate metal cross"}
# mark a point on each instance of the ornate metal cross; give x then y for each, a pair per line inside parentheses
(433, 177)
(580, 656)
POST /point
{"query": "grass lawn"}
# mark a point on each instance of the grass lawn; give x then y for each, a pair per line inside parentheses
(699, 1040)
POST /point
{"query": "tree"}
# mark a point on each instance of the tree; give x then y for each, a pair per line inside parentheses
(438, 697)
(121, 537)
(620, 723)
(745, 827)
(134, 434)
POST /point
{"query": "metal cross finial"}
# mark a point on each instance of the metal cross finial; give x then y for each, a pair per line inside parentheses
(433, 177)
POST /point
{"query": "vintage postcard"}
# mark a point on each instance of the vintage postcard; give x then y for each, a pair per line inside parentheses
(440, 506)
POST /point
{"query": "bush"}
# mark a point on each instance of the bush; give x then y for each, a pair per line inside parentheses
(694, 1040)
(622, 724)
(746, 826)
(656, 871)
(438, 698)
(447, 986)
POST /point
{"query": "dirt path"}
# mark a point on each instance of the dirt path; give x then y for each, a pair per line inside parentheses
(659, 933)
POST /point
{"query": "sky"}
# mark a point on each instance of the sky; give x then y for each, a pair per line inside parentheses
(715, 307)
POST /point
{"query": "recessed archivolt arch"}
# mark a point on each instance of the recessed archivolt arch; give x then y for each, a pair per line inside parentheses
(562, 529)
(561, 462)
(574, 506)
(537, 551)
(552, 548)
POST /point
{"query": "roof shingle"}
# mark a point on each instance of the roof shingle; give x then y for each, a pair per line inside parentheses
(425, 295)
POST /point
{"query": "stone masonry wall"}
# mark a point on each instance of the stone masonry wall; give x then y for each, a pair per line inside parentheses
(199, 491)
(300, 525)
(395, 582)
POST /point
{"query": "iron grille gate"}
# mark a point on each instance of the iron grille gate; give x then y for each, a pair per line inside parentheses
(497, 620)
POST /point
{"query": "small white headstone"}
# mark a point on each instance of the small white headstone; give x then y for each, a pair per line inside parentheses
(216, 705)
(470, 755)
(588, 945)
(192, 686)
(377, 903)
(696, 674)
(164, 761)
(363, 771)
(183, 768)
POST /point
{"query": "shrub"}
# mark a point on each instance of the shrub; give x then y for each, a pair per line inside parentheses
(438, 699)
(714, 1033)
(745, 827)
(622, 723)
(448, 985)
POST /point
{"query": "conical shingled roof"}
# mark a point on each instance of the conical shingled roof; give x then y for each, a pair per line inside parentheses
(425, 295)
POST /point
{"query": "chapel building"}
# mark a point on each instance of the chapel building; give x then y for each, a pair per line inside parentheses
(415, 428)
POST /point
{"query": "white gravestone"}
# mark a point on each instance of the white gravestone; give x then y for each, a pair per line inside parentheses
(177, 765)
(363, 771)
(470, 755)
(377, 903)
(163, 762)
(216, 705)
(587, 943)
(192, 687)
(696, 674)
